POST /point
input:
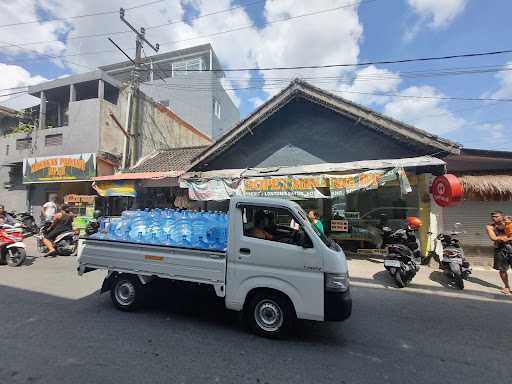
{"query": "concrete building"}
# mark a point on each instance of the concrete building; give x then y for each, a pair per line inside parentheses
(188, 81)
(79, 131)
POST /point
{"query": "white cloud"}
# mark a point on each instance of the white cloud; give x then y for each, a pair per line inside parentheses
(439, 12)
(17, 11)
(371, 80)
(325, 38)
(430, 114)
(15, 76)
(505, 84)
(256, 101)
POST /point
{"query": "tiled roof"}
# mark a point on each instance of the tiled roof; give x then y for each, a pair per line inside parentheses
(166, 160)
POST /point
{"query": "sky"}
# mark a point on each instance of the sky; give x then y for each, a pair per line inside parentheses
(44, 39)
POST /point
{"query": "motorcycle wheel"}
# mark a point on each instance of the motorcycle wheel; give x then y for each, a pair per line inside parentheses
(65, 248)
(16, 256)
(459, 281)
(400, 282)
(457, 275)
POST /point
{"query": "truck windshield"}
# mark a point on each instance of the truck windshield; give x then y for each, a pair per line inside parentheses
(322, 236)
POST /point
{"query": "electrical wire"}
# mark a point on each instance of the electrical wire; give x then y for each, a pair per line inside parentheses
(81, 16)
(231, 30)
(353, 92)
(49, 56)
(151, 27)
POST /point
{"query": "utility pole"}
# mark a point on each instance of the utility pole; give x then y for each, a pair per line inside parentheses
(135, 100)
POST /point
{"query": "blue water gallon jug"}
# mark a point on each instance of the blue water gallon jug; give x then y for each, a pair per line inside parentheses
(199, 228)
(181, 229)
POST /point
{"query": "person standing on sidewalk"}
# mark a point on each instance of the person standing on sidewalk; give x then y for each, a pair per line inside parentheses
(49, 209)
(502, 248)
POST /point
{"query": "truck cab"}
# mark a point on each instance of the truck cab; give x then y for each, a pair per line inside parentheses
(266, 256)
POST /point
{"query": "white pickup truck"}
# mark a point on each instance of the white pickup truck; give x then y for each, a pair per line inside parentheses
(271, 272)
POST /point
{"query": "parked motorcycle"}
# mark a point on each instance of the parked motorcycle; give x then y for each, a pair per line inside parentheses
(12, 248)
(404, 256)
(451, 257)
(27, 221)
(94, 224)
(65, 244)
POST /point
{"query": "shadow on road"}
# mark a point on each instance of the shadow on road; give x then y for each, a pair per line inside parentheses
(483, 283)
(442, 279)
(29, 261)
(383, 278)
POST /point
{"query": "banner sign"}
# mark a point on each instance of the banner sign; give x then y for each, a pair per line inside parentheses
(339, 225)
(59, 168)
(115, 188)
(287, 186)
(294, 186)
(212, 190)
(344, 184)
(79, 199)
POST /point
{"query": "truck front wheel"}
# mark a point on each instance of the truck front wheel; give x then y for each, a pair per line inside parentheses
(269, 314)
(126, 292)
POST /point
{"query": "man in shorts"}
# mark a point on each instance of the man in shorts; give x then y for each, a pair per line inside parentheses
(502, 247)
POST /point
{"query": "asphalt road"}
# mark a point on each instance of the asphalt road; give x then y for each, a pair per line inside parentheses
(55, 328)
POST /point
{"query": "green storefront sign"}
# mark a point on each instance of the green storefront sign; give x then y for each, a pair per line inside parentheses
(59, 168)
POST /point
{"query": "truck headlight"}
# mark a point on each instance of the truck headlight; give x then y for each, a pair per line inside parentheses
(336, 282)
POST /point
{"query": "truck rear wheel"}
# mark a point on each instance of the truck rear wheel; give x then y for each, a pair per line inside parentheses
(126, 292)
(269, 314)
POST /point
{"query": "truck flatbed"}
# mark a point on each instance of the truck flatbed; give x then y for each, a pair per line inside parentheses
(186, 264)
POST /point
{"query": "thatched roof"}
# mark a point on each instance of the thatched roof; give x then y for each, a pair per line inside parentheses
(487, 187)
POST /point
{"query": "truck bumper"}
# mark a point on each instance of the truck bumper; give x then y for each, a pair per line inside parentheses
(337, 305)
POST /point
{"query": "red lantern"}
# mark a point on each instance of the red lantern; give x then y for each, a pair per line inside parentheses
(446, 190)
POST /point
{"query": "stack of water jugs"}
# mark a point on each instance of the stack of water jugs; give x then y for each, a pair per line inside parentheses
(180, 228)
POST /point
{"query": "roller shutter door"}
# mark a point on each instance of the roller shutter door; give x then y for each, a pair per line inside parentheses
(474, 215)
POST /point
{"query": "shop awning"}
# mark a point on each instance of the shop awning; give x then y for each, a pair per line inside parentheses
(307, 181)
(323, 168)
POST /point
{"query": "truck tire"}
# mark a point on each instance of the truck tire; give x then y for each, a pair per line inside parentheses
(269, 314)
(126, 292)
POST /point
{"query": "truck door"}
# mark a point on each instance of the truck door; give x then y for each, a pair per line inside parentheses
(268, 253)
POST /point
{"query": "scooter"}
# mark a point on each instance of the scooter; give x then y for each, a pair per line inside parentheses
(451, 257)
(404, 258)
(94, 224)
(26, 220)
(12, 248)
(65, 244)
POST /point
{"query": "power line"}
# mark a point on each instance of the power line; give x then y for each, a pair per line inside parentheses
(235, 29)
(102, 34)
(49, 56)
(351, 92)
(80, 16)
(272, 22)
(364, 63)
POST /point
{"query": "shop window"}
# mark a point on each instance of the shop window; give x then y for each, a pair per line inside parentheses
(24, 143)
(273, 224)
(53, 140)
